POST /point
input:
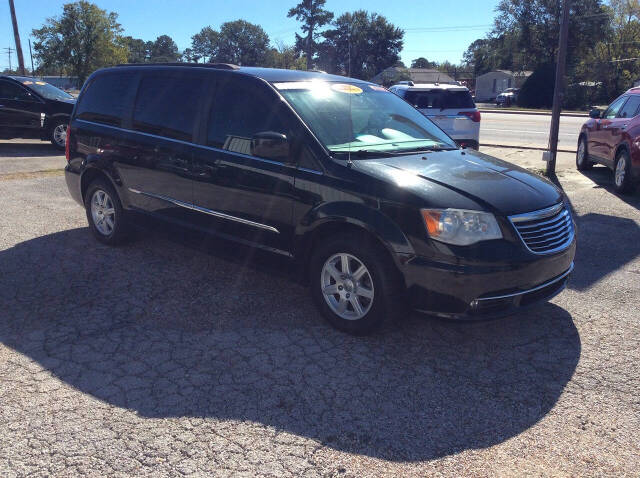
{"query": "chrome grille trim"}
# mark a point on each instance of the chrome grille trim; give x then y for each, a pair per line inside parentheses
(546, 231)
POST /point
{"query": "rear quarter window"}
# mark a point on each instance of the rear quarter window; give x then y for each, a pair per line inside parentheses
(440, 99)
(107, 98)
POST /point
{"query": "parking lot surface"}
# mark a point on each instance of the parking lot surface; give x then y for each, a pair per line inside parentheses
(175, 355)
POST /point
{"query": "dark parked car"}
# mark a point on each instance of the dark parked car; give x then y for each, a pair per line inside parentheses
(611, 138)
(376, 203)
(31, 108)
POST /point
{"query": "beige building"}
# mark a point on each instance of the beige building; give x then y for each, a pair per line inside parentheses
(491, 84)
(393, 74)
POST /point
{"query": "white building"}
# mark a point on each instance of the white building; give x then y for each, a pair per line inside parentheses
(491, 84)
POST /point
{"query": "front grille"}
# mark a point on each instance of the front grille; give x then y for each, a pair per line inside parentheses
(545, 231)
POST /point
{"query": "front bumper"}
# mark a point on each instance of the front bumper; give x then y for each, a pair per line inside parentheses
(465, 291)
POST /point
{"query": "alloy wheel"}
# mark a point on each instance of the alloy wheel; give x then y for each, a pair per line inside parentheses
(347, 286)
(621, 170)
(102, 212)
(60, 134)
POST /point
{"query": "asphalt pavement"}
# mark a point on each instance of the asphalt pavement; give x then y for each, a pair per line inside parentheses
(527, 130)
(175, 355)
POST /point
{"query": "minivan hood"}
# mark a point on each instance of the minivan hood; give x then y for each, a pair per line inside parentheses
(493, 184)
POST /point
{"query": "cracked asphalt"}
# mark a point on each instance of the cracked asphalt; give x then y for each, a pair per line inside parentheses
(178, 355)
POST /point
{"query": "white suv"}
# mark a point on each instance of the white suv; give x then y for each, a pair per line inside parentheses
(449, 106)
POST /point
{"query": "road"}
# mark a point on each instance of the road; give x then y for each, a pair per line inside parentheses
(528, 130)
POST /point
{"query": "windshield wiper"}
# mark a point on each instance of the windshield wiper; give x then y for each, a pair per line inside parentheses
(423, 149)
(367, 153)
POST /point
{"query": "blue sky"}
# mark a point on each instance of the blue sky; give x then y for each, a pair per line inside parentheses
(437, 30)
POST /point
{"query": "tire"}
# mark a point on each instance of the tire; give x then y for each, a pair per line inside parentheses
(56, 136)
(377, 290)
(113, 229)
(622, 180)
(582, 156)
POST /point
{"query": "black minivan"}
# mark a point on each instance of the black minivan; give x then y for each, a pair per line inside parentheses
(377, 204)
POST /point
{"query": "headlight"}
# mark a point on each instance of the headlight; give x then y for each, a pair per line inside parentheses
(460, 227)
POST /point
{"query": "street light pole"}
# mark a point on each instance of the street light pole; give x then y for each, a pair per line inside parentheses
(558, 91)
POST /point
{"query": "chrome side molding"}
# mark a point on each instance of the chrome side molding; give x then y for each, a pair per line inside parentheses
(204, 210)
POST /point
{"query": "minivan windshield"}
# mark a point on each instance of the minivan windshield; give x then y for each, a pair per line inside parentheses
(47, 90)
(362, 119)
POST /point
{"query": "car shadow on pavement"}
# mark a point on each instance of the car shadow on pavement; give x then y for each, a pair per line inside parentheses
(605, 244)
(603, 177)
(27, 150)
(170, 331)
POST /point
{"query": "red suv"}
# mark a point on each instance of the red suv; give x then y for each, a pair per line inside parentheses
(612, 138)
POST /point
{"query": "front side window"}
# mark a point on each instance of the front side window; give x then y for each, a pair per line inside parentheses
(612, 111)
(244, 115)
(106, 98)
(362, 118)
(10, 91)
(168, 105)
(630, 108)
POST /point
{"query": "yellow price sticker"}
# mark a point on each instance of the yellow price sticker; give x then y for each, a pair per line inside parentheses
(346, 88)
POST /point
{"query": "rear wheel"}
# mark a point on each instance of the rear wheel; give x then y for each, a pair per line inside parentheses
(582, 155)
(58, 134)
(105, 215)
(622, 172)
(354, 284)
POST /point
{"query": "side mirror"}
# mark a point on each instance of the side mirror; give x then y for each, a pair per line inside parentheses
(270, 145)
(595, 113)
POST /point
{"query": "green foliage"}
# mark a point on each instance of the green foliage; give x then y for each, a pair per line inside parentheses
(138, 50)
(163, 50)
(537, 90)
(83, 39)
(204, 44)
(423, 63)
(313, 16)
(360, 44)
(286, 57)
(238, 42)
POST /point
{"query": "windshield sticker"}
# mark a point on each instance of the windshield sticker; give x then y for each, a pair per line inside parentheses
(42, 83)
(346, 88)
(27, 82)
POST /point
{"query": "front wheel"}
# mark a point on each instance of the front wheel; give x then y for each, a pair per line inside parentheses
(354, 284)
(58, 134)
(582, 156)
(622, 173)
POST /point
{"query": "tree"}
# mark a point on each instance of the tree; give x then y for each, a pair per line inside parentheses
(163, 50)
(189, 56)
(83, 39)
(285, 56)
(138, 50)
(423, 63)
(527, 31)
(360, 44)
(204, 44)
(480, 56)
(242, 43)
(313, 16)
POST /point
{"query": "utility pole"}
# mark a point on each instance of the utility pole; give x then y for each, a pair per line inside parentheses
(16, 35)
(9, 50)
(33, 72)
(558, 90)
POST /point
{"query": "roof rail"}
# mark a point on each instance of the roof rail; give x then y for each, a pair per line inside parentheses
(219, 66)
